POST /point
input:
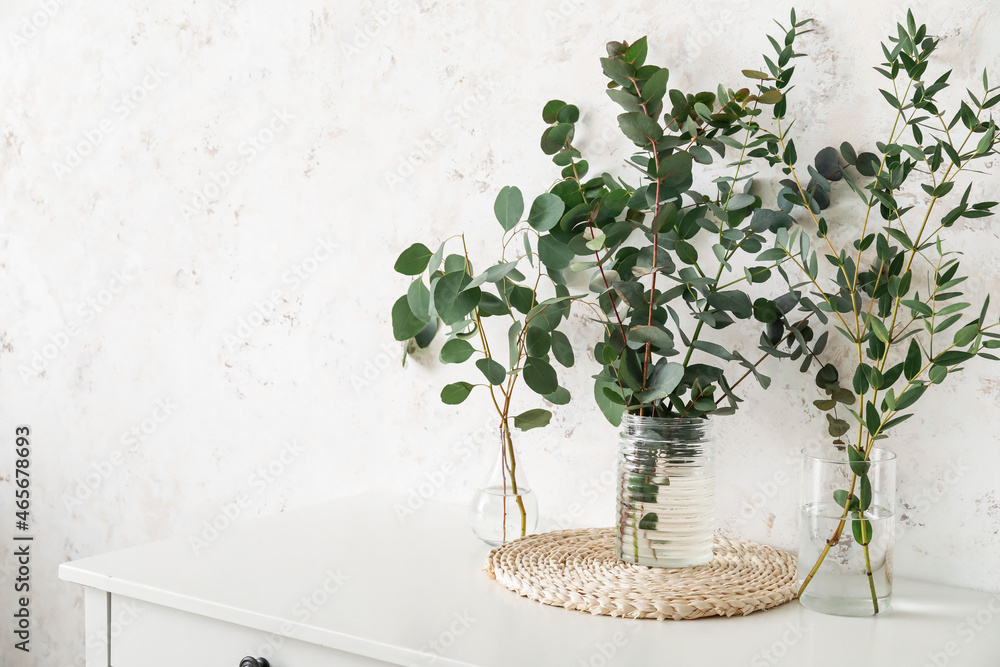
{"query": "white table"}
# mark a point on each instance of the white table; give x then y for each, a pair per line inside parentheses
(347, 583)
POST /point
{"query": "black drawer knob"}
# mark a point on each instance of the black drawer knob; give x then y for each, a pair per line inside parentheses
(254, 662)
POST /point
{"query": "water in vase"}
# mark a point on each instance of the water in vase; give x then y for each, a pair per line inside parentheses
(841, 586)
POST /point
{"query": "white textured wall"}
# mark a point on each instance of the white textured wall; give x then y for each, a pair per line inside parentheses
(144, 264)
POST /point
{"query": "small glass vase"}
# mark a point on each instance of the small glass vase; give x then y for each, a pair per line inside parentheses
(843, 578)
(666, 492)
(504, 508)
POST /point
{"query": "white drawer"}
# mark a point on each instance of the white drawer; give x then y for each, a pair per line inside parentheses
(150, 635)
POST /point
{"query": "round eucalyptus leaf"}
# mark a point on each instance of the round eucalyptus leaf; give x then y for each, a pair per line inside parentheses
(765, 311)
(867, 164)
(850, 155)
(641, 129)
(551, 110)
(455, 262)
(455, 393)
(493, 370)
(540, 376)
(418, 297)
(686, 252)
(536, 342)
(451, 301)
(455, 351)
(546, 211)
(560, 396)
(490, 304)
(675, 169)
(775, 331)
(413, 260)
(426, 335)
(568, 114)
(828, 164)
(554, 255)
(508, 207)
(405, 325)
(556, 137)
(532, 419)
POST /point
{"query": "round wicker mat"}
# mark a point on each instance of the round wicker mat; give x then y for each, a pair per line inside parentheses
(578, 569)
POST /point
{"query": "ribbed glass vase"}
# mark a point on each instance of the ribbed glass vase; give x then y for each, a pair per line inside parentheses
(666, 492)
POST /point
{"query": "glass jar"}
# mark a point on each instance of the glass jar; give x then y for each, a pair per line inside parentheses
(846, 504)
(666, 492)
(504, 508)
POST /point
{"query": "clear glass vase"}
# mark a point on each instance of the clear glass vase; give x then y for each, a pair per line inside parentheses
(844, 505)
(504, 508)
(666, 492)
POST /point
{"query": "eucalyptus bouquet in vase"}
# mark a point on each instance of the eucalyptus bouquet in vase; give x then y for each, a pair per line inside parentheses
(890, 288)
(664, 262)
(445, 290)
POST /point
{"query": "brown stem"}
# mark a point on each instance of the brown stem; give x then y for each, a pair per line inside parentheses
(830, 542)
(509, 451)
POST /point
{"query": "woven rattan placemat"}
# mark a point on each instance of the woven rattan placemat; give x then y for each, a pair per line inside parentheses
(577, 569)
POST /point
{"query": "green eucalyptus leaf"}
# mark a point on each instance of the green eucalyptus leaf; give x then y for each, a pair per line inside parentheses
(664, 379)
(636, 53)
(912, 364)
(865, 496)
(878, 328)
(862, 529)
(675, 169)
(532, 419)
(426, 335)
(455, 262)
(618, 71)
(490, 304)
(491, 275)
(413, 260)
(654, 89)
(562, 350)
(540, 376)
(455, 351)
(837, 427)
(451, 301)
(859, 466)
(418, 297)
(714, 349)
(638, 336)
(508, 207)
(967, 334)
(910, 396)
(765, 311)
(495, 372)
(686, 252)
(568, 114)
(557, 138)
(405, 325)
(551, 110)
(546, 211)
(513, 336)
(640, 128)
(536, 342)
(554, 255)
(733, 301)
(455, 393)
(612, 411)
(560, 396)
(842, 497)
